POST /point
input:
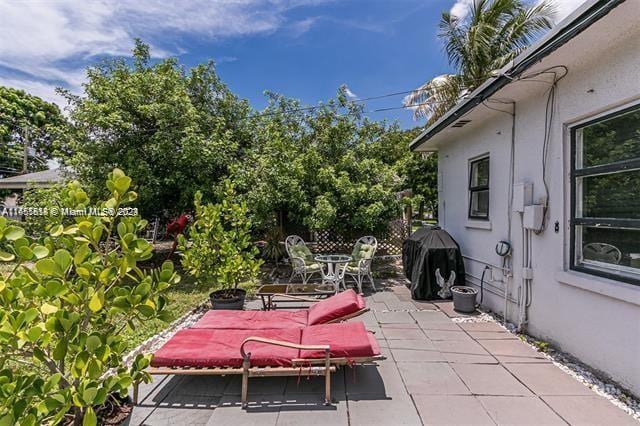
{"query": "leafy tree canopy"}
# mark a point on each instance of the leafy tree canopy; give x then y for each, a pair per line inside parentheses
(24, 116)
(324, 167)
(175, 131)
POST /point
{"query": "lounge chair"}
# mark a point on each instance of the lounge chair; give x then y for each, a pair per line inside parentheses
(316, 350)
(336, 308)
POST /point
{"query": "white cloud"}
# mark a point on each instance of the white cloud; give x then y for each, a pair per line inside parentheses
(50, 42)
(564, 7)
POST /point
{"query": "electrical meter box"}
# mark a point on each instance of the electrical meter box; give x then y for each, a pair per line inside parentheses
(522, 196)
(532, 218)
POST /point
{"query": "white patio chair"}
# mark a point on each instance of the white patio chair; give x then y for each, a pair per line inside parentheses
(360, 267)
(302, 262)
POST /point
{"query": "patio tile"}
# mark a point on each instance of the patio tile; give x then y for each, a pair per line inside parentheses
(308, 409)
(464, 352)
(417, 355)
(451, 410)
(511, 350)
(139, 415)
(384, 296)
(430, 317)
(201, 385)
(431, 379)
(315, 385)
(162, 391)
(447, 335)
(394, 318)
(400, 333)
(490, 380)
(377, 306)
(588, 410)
(257, 386)
(365, 410)
(368, 318)
(411, 344)
(440, 326)
(492, 335)
(259, 413)
(146, 390)
(447, 308)
(377, 381)
(191, 410)
(400, 305)
(482, 326)
(519, 410)
(423, 304)
(547, 379)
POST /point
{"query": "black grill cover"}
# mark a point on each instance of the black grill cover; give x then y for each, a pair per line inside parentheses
(426, 250)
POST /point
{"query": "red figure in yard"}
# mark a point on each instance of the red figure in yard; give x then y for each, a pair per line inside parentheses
(175, 228)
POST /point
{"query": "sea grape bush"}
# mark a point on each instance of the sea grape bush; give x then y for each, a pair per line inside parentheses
(64, 305)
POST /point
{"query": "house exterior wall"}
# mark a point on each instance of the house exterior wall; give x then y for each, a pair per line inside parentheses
(595, 319)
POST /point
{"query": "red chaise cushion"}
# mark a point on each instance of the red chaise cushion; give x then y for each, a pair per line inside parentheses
(252, 320)
(337, 306)
(345, 339)
(221, 348)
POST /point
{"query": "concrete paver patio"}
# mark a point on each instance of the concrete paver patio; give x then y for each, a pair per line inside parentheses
(437, 372)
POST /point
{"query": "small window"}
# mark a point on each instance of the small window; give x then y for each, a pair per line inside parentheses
(479, 189)
(605, 174)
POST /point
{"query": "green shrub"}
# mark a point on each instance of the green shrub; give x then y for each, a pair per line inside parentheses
(220, 252)
(64, 305)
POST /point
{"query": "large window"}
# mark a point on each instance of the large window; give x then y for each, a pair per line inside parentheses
(605, 174)
(479, 188)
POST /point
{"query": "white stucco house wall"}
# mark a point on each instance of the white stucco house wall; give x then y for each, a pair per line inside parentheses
(573, 280)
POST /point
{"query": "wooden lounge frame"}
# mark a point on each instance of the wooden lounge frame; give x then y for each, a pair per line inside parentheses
(299, 366)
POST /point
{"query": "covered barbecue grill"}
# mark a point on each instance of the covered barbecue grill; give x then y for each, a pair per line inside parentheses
(426, 250)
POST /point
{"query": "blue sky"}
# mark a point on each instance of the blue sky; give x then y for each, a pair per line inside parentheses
(301, 48)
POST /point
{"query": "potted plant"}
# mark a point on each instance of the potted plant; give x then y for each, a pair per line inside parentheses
(464, 298)
(219, 252)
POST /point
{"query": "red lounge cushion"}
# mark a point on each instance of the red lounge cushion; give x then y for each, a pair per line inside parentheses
(345, 339)
(252, 320)
(337, 306)
(221, 348)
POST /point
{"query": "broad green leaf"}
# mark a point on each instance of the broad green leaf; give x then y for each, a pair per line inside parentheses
(25, 253)
(62, 259)
(122, 184)
(90, 418)
(93, 343)
(60, 351)
(97, 301)
(49, 267)
(56, 231)
(6, 257)
(40, 252)
(12, 233)
(48, 309)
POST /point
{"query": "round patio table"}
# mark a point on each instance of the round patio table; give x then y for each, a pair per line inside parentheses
(336, 265)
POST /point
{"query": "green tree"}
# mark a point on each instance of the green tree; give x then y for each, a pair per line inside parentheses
(220, 252)
(24, 117)
(325, 168)
(64, 305)
(174, 131)
(487, 37)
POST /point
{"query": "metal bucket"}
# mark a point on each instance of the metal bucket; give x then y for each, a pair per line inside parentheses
(464, 298)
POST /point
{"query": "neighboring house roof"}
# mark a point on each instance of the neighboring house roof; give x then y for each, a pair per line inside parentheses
(590, 12)
(45, 178)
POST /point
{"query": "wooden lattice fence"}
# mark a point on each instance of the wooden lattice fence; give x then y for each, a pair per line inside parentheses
(389, 244)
